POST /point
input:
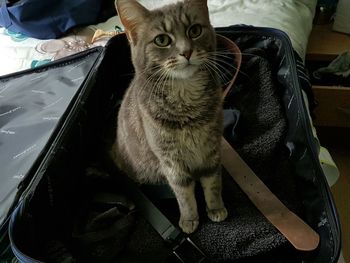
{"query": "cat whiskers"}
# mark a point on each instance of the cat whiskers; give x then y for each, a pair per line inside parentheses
(229, 52)
(149, 78)
(165, 82)
(224, 62)
(213, 67)
(205, 65)
(155, 85)
(226, 54)
(159, 84)
(170, 63)
(154, 82)
(224, 59)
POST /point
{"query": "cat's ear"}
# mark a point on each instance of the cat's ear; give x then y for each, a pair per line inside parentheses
(202, 6)
(202, 2)
(131, 14)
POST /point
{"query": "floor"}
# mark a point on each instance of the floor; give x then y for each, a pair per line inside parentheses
(337, 141)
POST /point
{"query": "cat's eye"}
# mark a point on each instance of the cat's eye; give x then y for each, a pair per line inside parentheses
(195, 31)
(162, 40)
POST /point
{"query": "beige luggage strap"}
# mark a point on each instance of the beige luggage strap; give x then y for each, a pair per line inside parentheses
(296, 231)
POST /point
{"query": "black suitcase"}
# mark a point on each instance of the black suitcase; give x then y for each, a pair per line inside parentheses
(61, 182)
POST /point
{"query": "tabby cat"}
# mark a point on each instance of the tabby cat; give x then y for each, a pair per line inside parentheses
(170, 122)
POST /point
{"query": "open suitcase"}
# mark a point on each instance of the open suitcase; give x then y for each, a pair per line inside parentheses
(58, 122)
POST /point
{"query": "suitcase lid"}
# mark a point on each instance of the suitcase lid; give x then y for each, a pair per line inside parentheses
(33, 105)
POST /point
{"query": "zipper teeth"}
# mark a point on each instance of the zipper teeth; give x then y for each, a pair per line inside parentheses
(52, 64)
(330, 208)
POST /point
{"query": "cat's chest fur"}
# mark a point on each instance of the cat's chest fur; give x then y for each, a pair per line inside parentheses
(183, 126)
(194, 143)
(186, 92)
(194, 146)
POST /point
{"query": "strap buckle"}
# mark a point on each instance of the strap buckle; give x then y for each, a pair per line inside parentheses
(187, 252)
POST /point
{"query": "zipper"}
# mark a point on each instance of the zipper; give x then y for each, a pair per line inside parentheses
(60, 62)
(324, 190)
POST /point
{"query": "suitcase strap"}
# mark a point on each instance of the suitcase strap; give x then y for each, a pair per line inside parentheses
(295, 230)
(184, 250)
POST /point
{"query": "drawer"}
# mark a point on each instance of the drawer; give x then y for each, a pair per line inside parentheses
(333, 107)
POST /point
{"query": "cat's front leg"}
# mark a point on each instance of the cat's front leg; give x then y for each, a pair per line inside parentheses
(184, 192)
(212, 186)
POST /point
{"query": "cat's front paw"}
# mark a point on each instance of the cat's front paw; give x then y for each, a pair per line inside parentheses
(188, 226)
(217, 215)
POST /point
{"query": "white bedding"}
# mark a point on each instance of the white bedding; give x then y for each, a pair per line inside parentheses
(18, 52)
(291, 16)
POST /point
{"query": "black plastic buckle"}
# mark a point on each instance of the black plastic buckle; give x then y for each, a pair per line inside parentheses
(187, 252)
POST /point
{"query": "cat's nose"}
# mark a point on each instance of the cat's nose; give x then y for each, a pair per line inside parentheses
(187, 54)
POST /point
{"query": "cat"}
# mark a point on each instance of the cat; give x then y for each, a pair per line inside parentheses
(170, 121)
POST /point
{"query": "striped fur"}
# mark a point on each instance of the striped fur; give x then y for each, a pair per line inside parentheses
(170, 120)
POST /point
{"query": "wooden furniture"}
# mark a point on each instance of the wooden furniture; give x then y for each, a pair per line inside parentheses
(333, 101)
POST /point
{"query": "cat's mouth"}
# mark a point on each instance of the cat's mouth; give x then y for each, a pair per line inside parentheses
(182, 68)
(185, 70)
(187, 64)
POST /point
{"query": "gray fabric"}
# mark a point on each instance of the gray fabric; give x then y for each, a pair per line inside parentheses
(260, 138)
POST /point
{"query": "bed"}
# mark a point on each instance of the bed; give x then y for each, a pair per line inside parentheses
(18, 52)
